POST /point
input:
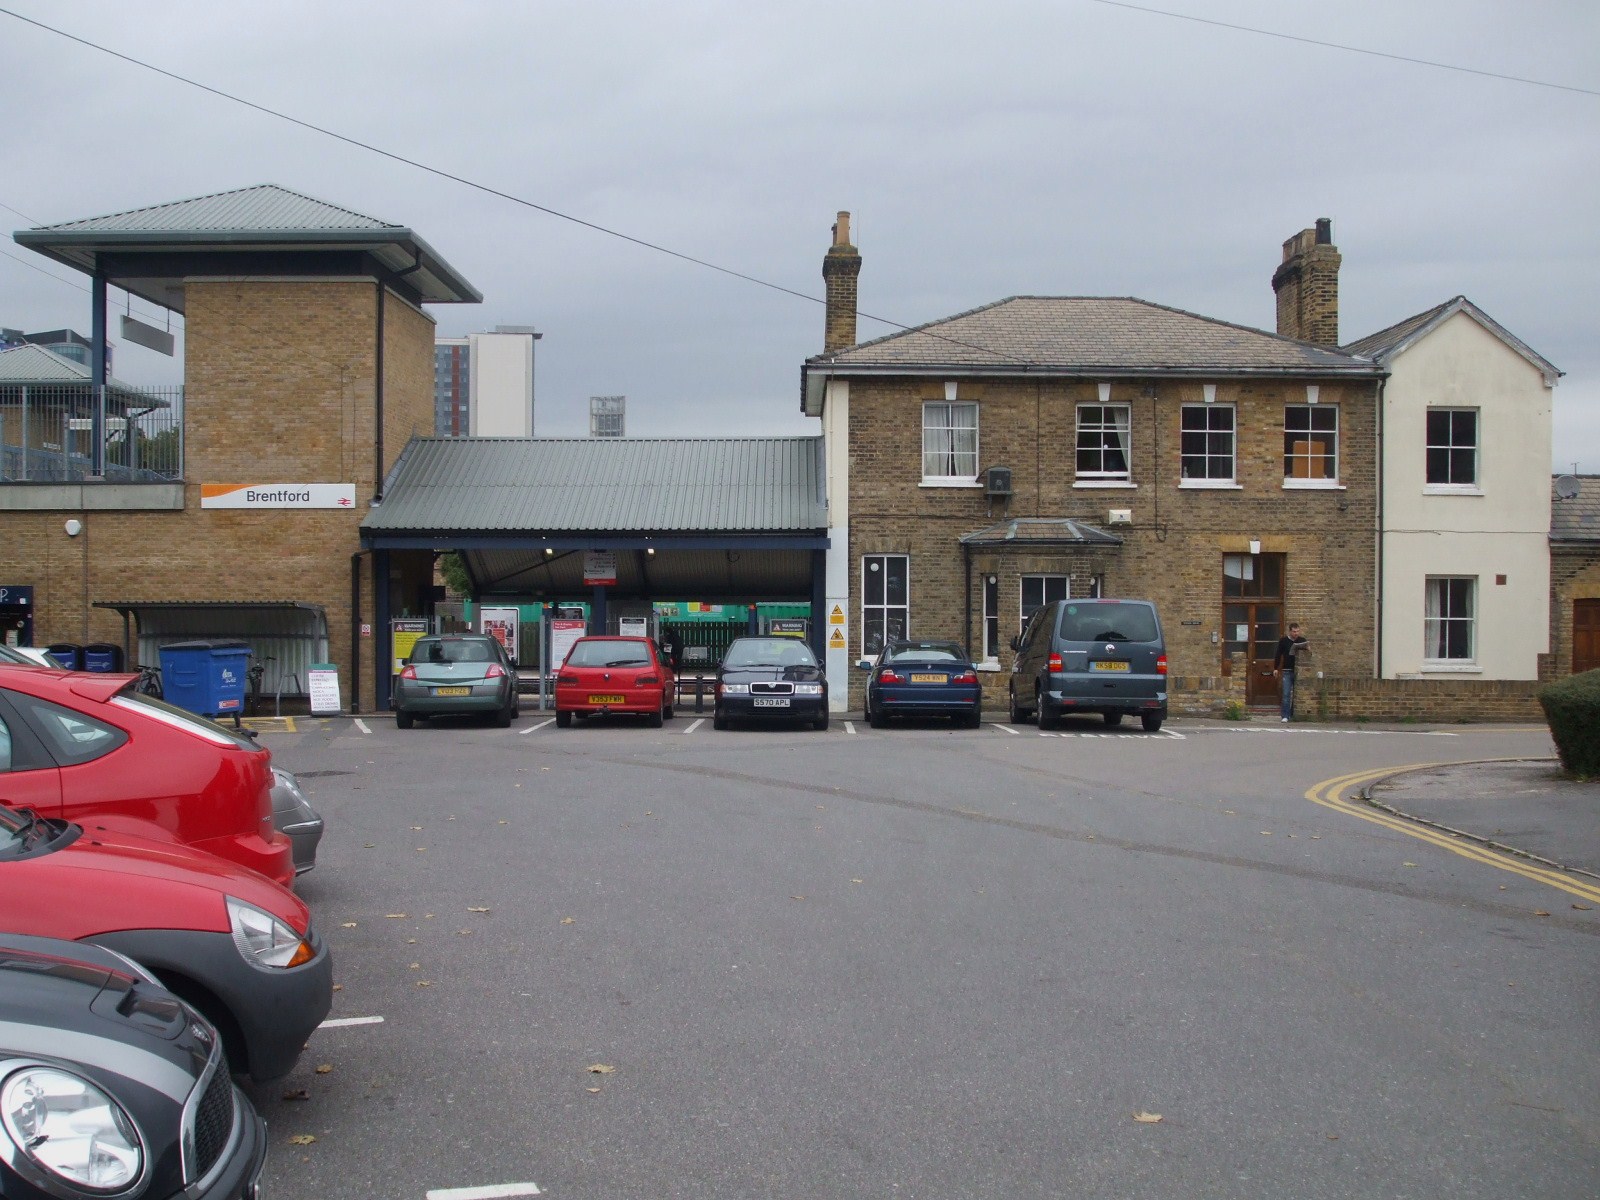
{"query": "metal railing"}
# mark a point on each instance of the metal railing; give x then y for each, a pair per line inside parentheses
(71, 432)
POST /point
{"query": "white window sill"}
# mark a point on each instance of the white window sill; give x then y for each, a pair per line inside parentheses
(1124, 484)
(988, 664)
(1313, 485)
(1451, 668)
(1211, 485)
(950, 483)
(1451, 489)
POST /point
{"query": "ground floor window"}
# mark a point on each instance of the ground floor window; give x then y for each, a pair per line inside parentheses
(1039, 590)
(991, 616)
(1448, 627)
(885, 600)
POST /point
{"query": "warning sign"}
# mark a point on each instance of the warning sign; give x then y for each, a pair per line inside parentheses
(836, 640)
(836, 617)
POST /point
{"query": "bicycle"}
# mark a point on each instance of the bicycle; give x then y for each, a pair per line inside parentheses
(149, 682)
(253, 674)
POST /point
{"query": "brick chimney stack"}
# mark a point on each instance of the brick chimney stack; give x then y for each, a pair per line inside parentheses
(1307, 284)
(840, 266)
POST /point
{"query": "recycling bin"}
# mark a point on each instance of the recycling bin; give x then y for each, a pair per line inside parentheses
(68, 654)
(205, 676)
(102, 656)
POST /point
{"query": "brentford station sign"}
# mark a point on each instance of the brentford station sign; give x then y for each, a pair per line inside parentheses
(277, 495)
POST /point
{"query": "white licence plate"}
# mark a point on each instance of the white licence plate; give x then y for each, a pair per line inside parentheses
(770, 702)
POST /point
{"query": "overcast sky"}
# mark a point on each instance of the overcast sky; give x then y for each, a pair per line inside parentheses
(1058, 147)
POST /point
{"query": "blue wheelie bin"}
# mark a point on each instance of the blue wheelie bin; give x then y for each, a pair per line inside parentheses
(68, 654)
(102, 656)
(205, 676)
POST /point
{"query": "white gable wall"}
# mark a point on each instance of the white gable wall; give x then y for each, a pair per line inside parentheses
(1501, 528)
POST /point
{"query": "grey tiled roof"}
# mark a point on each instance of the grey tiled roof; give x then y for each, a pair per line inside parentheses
(252, 209)
(1578, 519)
(1386, 343)
(1086, 333)
(557, 485)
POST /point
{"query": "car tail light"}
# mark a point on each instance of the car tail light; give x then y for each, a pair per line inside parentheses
(566, 679)
(647, 681)
(409, 672)
(965, 677)
(888, 676)
(1055, 663)
(495, 671)
(1161, 665)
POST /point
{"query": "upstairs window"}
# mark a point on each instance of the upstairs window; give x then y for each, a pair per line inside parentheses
(1310, 444)
(1452, 453)
(1206, 444)
(1103, 442)
(949, 442)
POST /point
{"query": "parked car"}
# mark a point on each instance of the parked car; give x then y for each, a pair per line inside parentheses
(26, 656)
(111, 1086)
(923, 679)
(293, 816)
(230, 942)
(88, 748)
(1091, 656)
(615, 675)
(770, 678)
(455, 674)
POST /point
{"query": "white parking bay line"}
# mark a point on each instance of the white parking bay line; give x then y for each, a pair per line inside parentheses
(493, 1192)
(1007, 729)
(695, 724)
(362, 725)
(345, 1022)
(850, 727)
(540, 725)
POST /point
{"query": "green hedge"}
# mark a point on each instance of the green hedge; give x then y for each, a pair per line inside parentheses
(1572, 707)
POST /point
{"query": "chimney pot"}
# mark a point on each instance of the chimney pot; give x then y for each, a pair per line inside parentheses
(1307, 286)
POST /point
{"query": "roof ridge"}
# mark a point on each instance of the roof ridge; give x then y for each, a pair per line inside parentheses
(169, 205)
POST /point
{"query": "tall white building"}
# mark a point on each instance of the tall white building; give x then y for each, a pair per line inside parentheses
(483, 383)
(608, 416)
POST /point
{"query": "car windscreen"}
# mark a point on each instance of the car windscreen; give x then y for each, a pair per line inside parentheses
(609, 654)
(927, 652)
(1108, 622)
(768, 652)
(454, 650)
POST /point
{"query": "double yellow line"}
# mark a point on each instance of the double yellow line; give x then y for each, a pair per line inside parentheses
(1332, 793)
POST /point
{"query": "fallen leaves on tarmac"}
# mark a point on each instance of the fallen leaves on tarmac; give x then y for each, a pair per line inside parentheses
(302, 1139)
(601, 1069)
(1146, 1118)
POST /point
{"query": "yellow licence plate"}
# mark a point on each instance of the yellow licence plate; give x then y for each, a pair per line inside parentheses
(1108, 666)
(452, 691)
(608, 699)
(930, 678)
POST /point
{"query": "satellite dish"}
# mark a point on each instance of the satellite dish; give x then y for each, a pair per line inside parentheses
(1566, 487)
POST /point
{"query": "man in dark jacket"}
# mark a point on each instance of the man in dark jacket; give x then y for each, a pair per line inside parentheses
(1289, 646)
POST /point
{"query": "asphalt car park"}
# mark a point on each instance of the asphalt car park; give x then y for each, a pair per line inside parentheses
(621, 961)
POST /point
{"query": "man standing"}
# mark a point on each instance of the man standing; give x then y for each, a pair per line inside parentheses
(1289, 645)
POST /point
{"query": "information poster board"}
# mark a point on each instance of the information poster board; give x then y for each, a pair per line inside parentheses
(322, 681)
(634, 626)
(403, 635)
(599, 568)
(501, 623)
(563, 633)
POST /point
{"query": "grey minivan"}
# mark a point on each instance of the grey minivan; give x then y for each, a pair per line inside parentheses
(1091, 656)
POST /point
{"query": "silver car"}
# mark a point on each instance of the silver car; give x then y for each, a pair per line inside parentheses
(293, 816)
(456, 674)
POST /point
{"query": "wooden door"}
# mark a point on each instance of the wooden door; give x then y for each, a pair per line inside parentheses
(1585, 635)
(1252, 618)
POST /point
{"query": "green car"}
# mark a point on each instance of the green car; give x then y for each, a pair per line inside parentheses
(456, 674)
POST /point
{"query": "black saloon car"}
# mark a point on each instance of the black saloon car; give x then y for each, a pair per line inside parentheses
(112, 1086)
(770, 678)
(923, 679)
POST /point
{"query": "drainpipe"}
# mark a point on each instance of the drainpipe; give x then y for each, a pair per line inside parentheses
(355, 631)
(1377, 591)
(377, 439)
(966, 571)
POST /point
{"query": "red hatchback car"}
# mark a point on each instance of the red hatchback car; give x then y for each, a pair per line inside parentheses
(615, 675)
(88, 748)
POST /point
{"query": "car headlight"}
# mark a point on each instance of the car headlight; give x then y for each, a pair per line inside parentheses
(71, 1130)
(736, 689)
(263, 939)
(808, 689)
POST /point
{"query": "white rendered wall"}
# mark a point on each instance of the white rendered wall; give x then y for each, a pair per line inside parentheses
(836, 459)
(502, 384)
(1501, 529)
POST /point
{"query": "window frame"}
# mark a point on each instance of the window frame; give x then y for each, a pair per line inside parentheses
(1439, 640)
(1231, 480)
(1045, 579)
(991, 618)
(884, 608)
(1450, 448)
(949, 451)
(1309, 435)
(1103, 478)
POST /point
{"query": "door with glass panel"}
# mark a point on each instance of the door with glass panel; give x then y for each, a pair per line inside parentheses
(1252, 618)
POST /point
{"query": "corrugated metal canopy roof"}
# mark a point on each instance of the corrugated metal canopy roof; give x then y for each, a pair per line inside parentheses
(22, 366)
(442, 486)
(261, 218)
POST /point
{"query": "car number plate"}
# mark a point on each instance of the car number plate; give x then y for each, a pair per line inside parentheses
(1108, 666)
(452, 691)
(770, 702)
(608, 699)
(930, 678)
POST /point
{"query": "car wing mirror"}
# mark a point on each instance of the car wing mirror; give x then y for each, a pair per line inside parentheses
(1016, 642)
(864, 664)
